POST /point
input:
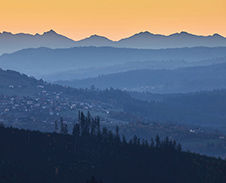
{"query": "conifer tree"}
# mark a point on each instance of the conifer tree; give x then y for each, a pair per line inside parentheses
(152, 143)
(157, 140)
(76, 130)
(124, 139)
(179, 148)
(56, 126)
(61, 125)
(64, 129)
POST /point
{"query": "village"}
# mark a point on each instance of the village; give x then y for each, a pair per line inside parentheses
(42, 110)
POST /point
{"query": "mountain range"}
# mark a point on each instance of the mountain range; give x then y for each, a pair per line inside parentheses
(13, 42)
(98, 71)
(144, 40)
(42, 61)
(182, 80)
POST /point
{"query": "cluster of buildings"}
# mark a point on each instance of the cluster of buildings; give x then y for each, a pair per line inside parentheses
(14, 109)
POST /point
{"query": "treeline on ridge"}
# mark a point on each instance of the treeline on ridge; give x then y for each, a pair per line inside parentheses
(31, 156)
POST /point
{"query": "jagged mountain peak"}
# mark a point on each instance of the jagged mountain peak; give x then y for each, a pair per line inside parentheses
(51, 31)
(184, 33)
(97, 36)
(218, 35)
(5, 32)
(96, 40)
(145, 33)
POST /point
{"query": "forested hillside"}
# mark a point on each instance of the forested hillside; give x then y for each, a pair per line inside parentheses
(35, 104)
(30, 156)
(202, 108)
(182, 80)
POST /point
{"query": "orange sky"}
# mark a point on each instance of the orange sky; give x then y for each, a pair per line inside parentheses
(113, 18)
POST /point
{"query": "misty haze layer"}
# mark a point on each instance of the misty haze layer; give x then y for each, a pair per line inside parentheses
(42, 61)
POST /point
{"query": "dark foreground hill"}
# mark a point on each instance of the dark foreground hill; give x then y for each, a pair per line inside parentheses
(31, 156)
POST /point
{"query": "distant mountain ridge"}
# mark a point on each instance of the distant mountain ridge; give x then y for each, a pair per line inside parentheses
(147, 40)
(144, 40)
(13, 42)
(46, 61)
(182, 80)
(95, 40)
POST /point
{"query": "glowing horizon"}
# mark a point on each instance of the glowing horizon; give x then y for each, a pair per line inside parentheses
(113, 19)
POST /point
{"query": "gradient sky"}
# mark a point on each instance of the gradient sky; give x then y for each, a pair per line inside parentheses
(114, 19)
